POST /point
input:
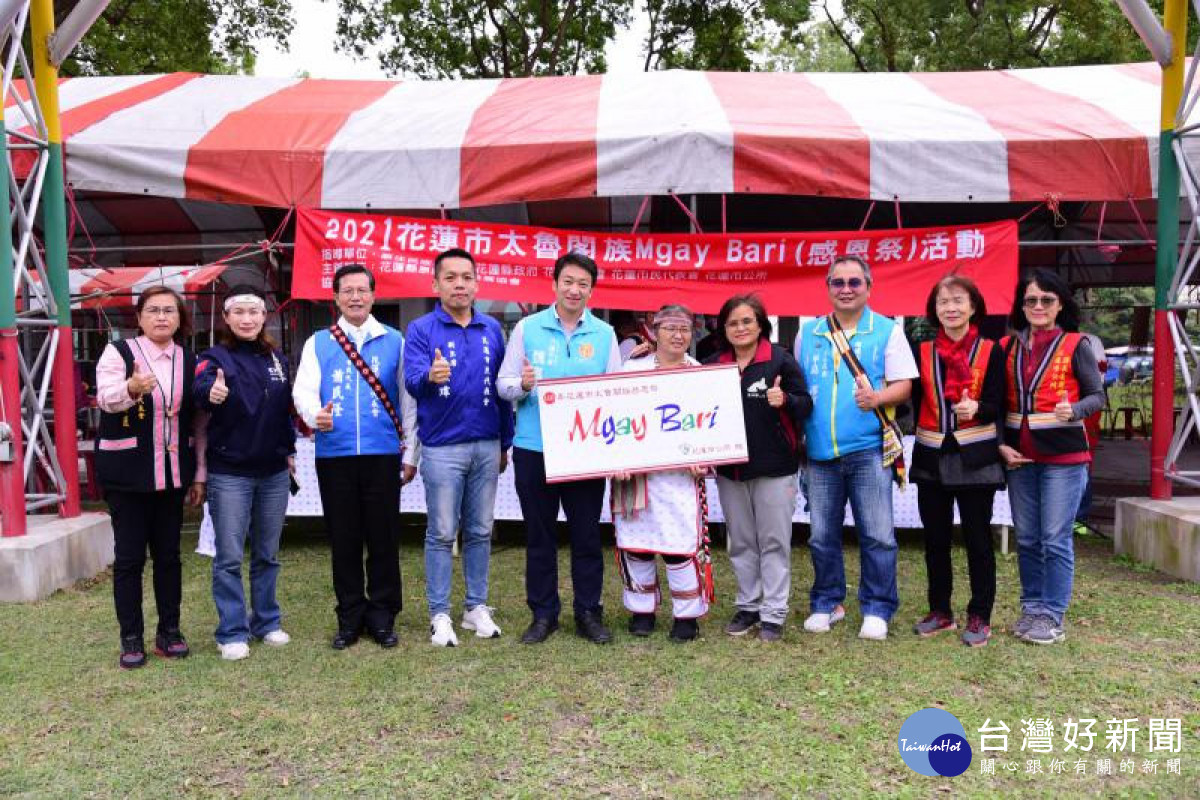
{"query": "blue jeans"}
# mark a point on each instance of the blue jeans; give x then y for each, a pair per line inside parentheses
(861, 478)
(460, 488)
(240, 507)
(1044, 498)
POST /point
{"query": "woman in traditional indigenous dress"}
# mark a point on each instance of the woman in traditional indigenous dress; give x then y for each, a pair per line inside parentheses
(1053, 384)
(663, 513)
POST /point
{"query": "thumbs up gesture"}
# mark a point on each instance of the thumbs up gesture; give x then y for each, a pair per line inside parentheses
(775, 395)
(1063, 411)
(966, 408)
(439, 373)
(325, 418)
(140, 382)
(219, 391)
(528, 376)
(864, 396)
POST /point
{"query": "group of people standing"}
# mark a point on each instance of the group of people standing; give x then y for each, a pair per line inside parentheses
(453, 398)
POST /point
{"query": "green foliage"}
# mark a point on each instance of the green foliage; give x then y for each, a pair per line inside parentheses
(928, 35)
(149, 36)
(494, 38)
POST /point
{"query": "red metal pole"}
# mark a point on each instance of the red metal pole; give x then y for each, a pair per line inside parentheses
(12, 480)
(65, 430)
(1162, 408)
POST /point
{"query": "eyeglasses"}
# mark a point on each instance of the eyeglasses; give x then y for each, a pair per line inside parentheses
(842, 283)
(354, 292)
(1046, 301)
(160, 311)
(745, 322)
(674, 330)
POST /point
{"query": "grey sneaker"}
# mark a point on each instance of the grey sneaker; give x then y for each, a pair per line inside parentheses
(1021, 627)
(770, 632)
(1044, 631)
(742, 623)
(934, 623)
(977, 633)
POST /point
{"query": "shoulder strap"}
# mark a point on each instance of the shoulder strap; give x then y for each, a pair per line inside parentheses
(370, 377)
(893, 438)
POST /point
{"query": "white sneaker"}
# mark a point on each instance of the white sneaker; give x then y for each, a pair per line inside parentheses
(873, 628)
(441, 631)
(234, 651)
(277, 638)
(821, 623)
(479, 619)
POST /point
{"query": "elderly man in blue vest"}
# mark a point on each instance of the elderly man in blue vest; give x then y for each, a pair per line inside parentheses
(564, 341)
(451, 360)
(845, 447)
(350, 389)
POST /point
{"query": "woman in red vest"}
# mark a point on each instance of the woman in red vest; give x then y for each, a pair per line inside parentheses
(1053, 384)
(958, 400)
(149, 461)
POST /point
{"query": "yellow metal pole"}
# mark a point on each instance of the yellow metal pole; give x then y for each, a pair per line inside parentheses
(54, 229)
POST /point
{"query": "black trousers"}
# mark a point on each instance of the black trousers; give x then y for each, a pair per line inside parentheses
(144, 520)
(581, 502)
(361, 499)
(936, 505)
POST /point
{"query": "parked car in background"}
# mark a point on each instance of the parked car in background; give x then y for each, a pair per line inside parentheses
(1128, 365)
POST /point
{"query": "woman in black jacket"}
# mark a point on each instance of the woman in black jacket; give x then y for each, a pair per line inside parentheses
(759, 497)
(956, 455)
(243, 383)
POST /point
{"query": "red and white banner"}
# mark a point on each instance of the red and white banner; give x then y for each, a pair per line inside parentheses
(644, 271)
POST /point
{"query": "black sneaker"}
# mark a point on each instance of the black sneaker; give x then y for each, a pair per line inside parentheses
(590, 625)
(642, 624)
(685, 630)
(171, 645)
(133, 652)
(343, 639)
(385, 638)
(539, 630)
(742, 623)
(770, 632)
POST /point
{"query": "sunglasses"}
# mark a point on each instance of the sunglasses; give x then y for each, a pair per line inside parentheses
(1045, 301)
(842, 283)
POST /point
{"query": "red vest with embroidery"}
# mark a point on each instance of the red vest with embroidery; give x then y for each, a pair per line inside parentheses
(1033, 403)
(930, 417)
(938, 425)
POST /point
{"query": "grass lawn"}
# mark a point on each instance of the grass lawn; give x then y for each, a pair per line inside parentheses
(640, 718)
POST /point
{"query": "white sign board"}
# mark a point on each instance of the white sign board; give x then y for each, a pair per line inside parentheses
(641, 421)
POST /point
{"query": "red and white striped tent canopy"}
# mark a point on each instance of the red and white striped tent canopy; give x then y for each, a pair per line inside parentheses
(108, 288)
(1077, 133)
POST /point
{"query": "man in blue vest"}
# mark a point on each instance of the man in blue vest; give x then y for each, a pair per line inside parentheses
(451, 358)
(845, 448)
(564, 341)
(350, 389)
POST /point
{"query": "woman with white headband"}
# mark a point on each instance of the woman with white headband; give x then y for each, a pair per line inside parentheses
(664, 513)
(243, 383)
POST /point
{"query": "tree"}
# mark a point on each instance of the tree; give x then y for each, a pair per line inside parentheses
(518, 38)
(146, 36)
(920, 35)
(483, 38)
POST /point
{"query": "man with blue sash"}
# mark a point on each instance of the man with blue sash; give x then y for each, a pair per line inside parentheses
(563, 341)
(350, 389)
